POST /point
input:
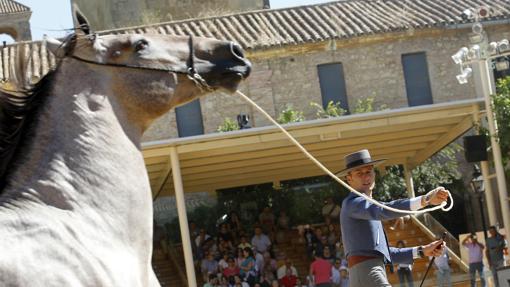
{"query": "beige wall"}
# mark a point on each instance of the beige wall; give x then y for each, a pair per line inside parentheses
(372, 68)
(105, 15)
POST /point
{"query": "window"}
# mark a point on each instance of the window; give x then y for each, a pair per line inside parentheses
(416, 75)
(189, 119)
(332, 83)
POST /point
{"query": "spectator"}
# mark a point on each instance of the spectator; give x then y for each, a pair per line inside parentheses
(209, 266)
(495, 246)
(330, 210)
(289, 280)
(223, 263)
(269, 263)
(475, 250)
(225, 246)
(344, 276)
(335, 273)
(275, 283)
(320, 269)
(339, 250)
(326, 254)
(283, 269)
(260, 241)
(265, 281)
(231, 269)
(332, 234)
(212, 281)
(201, 238)
(443, 272)
(259, 263)
(247, 266)
(243, 242)
(240, 256)
(225, 233)
(400, 222)
(310, 240)
(404, 271)
(240, 283)
(299, 283)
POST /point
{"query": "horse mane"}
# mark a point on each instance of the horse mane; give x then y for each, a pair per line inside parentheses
(20, 103)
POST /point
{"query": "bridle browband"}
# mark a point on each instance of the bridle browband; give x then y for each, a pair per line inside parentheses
(190, 70)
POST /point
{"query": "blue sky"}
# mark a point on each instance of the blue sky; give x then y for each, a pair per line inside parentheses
(52, 16)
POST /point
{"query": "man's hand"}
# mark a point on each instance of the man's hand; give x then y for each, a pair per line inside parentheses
(434, 249)
(435, 196)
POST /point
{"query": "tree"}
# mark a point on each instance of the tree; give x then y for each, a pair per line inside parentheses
(501, 106)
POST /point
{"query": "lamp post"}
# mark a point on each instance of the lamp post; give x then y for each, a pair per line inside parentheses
(479, 57)
(478, 189)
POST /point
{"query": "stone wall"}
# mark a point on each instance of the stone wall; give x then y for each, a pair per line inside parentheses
(105, 15)
(372, 67)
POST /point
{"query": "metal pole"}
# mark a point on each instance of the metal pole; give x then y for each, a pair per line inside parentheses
(183, 218)
(484, 166)
(485, 77)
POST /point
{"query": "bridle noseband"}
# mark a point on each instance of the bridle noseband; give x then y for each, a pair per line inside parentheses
(190, 70)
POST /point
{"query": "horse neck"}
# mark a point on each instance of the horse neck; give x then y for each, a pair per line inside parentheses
(84, 156)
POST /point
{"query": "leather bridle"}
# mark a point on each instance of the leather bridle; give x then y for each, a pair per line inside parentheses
(190, 70)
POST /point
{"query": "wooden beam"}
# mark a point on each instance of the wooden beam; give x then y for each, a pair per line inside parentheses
(443, 141)
(289, 148)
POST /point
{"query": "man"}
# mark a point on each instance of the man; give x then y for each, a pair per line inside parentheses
(260, 241)
(475, 250)
(363, 235)
(320, 271)
(443, 271)
(495, 246)
(283, 269)
(330, 210)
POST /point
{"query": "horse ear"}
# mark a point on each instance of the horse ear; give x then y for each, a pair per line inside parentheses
(55, 46)
(81, 24)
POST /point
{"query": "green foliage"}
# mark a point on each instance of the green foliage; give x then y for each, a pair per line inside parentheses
(228, 125)
(501, 104)
(332, 110)
(204, 216)
(290, 115)
(439, 170)
(366, 105)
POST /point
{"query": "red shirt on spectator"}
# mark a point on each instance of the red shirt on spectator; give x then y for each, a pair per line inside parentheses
(227, 272)
(288, 281)
(321, 269)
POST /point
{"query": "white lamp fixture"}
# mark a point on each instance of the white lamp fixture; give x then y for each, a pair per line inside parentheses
(464, 75)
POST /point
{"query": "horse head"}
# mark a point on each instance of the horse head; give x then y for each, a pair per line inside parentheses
(159, 72)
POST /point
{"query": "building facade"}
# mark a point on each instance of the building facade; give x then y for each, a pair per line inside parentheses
(14, 20)
(328, 52)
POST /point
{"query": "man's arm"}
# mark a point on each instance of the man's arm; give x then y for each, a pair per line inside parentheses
(359, 207)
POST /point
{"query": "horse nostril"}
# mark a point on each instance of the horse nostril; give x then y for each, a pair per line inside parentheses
(237, 51)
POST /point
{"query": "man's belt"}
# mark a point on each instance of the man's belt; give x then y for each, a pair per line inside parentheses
(355, 260)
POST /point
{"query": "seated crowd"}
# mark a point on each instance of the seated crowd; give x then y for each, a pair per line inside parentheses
(235, 257)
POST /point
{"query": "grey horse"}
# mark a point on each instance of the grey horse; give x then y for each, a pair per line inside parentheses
(75, 204)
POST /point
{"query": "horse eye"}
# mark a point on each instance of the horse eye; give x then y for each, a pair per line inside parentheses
(141, 44)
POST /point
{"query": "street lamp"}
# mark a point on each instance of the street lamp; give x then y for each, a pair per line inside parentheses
(478, 188)
(477, 60)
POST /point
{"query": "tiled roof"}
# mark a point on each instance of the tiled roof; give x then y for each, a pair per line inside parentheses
(333, 20)
(10, 7)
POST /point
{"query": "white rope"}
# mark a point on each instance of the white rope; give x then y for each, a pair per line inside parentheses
(442, 206)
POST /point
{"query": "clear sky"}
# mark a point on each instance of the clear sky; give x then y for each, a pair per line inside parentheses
(52, 16)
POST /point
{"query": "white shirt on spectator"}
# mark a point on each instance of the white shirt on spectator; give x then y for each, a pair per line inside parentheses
(280, 273)
(261, 243)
